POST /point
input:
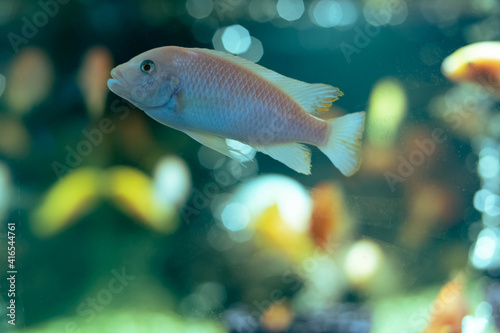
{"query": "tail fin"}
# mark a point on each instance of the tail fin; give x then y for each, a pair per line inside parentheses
(344, 144)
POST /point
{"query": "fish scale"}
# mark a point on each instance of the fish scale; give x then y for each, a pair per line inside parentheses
(279, 116)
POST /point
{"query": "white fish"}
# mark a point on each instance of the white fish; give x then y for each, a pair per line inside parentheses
(214, 96)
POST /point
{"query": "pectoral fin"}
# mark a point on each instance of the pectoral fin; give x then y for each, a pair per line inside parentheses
(230, 148)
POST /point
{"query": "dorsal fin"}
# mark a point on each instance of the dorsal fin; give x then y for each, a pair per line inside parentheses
(313, 98)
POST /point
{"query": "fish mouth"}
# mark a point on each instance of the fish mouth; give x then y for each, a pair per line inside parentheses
(115, 84)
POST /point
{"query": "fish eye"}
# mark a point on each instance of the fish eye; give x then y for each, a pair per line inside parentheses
(147, 66)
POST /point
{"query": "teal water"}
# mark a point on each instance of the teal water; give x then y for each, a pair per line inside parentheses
(120, 224)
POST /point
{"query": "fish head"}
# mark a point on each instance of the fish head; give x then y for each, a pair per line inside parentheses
(148, 80)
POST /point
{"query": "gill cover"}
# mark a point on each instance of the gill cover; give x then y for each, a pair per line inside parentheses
(155, 90)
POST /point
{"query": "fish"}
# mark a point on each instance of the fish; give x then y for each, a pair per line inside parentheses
(449, 308)
(478, 63)
(92, 79)
(217, 98)
(273, 232)
(31, 76)
(330, 219)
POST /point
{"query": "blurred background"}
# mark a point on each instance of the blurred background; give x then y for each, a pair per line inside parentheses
(125, 225)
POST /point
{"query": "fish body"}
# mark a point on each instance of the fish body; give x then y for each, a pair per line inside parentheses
(241, 109)
(478, 63)
(450, 308)
(214, 96)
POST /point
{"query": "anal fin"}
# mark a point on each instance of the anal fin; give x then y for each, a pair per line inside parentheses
(294, 155)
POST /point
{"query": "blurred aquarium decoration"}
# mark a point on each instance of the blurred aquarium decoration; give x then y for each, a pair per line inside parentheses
(112, 222)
